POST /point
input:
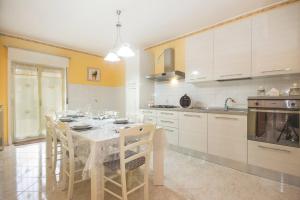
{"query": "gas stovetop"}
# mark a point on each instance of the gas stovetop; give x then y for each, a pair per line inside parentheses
(163, 106)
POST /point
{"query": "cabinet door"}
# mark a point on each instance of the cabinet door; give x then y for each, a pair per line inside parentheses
(276, 41)
(227, 136)
(275, 157)
(199, 57)
(193, 131)
(232, 48)
(172, 135)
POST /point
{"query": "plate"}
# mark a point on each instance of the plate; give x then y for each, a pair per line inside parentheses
(66, 119)
(81, 127)
(121, 121)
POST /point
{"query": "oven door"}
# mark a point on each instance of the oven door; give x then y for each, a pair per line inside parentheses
(280, 126)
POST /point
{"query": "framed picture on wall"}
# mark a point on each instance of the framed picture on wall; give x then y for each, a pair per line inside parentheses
(93, 74)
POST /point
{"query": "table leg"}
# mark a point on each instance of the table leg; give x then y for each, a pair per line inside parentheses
(159, 142)
(97, 192)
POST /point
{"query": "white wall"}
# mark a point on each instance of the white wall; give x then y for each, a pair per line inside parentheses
(213, 94)
(98, 98)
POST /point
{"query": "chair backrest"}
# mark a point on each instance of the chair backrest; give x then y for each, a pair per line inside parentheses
(66, 140)
(139, 137)
(50, 126)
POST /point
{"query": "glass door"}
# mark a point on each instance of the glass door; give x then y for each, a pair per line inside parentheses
(52, 92)
(26, 102)
(37, 90)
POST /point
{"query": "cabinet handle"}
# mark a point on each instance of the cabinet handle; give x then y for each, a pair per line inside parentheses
(165, 113)
(188, 115)
(275, 111)
(170, 122)
(169, 130)
(199, 78)
(276, 70)
(228, 75)
(275, 149)
(231, 118)
(147, 112)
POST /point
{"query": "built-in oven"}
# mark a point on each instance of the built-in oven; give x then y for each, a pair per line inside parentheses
(274, 120)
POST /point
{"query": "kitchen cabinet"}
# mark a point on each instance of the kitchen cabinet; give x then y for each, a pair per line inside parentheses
(168, 120)
(275, 157)
(199, 57)
(276, 41)
(150, 116)
(193, 131)
(227, 136)
(232, 50)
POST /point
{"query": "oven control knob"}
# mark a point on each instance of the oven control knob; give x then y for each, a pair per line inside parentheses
(293, 104)
(256, 103)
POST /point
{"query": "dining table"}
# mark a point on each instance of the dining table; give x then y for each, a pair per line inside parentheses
(101, 140)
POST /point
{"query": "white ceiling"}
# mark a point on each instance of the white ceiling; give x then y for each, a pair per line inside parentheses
(88, 25)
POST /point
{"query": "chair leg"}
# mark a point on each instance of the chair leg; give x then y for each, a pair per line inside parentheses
(54, 156)
(124, 185)
(71, 186)
(102, 181)
(146, 180)
(64, 168)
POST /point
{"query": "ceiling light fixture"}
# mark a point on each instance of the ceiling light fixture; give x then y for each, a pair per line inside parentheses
(119, 49)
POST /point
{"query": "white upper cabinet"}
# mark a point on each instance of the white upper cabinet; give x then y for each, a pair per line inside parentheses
(276, 41)
(199, 57)
(232, 48)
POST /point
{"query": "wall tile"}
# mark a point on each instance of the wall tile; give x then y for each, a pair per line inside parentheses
(214, 93)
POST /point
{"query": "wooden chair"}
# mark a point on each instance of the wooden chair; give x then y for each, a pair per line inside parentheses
(130, 159)
(53, 147)
(71, 165)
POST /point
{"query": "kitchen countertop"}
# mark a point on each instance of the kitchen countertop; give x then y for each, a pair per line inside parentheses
(216, 110)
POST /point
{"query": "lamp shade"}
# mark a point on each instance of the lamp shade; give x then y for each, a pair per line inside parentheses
(125, 51)
(112, 57)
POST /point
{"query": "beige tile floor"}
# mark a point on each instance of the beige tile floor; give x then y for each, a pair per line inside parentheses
(24, 175)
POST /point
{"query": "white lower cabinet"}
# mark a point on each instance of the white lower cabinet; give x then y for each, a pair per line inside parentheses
(275, 157)
(193, 131)
(227, 136)
(172, 135)
(168, 120)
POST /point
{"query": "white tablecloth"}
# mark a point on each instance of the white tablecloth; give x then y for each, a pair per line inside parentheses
(102, 140)
(93, 146)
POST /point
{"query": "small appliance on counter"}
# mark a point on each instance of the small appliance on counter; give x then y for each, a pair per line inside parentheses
(185, 101)
(261, 91)
(294, 90)
(274, 120)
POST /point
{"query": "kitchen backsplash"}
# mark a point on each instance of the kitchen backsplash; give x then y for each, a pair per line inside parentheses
(213, 94)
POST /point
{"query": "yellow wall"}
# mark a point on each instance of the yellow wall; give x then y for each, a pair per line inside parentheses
(179, 46)
(112, 75)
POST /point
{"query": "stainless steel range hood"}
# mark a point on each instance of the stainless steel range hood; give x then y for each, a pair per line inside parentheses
(169, 68)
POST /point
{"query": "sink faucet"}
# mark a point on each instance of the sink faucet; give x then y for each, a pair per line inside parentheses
(226, 101)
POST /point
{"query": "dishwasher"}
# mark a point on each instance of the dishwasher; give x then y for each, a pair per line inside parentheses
(1, 129)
